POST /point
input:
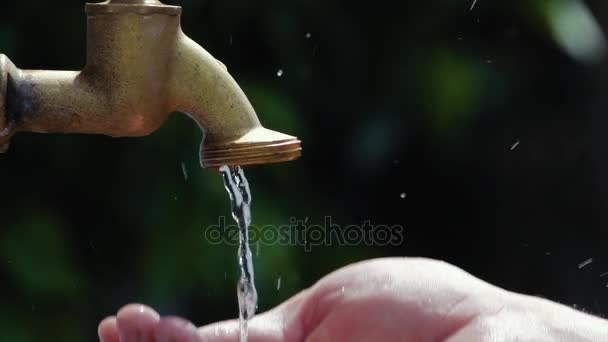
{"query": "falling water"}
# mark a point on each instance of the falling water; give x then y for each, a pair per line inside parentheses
(240, 198)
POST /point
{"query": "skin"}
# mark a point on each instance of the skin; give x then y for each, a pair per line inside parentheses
(381, 300)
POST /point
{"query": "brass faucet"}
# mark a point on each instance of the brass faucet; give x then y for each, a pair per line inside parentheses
(140, 67)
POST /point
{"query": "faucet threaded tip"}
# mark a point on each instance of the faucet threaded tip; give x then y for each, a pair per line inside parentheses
(260, 146)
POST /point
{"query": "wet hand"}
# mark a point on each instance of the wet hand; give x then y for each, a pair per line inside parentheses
(381, 300)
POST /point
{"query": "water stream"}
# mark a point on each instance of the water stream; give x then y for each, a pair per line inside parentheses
(240, 197)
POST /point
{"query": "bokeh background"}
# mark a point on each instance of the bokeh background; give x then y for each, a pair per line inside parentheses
(492, 121)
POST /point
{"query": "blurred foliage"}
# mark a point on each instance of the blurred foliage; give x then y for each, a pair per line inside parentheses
(492, 120)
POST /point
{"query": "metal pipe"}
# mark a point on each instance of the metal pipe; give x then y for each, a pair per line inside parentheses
(140, 67)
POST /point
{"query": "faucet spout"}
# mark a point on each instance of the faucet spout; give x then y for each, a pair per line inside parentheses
(202, 87)
(140, 67)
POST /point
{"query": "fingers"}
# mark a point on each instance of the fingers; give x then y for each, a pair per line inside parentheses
(108, 330)
(136, 323)
(139, 323)
(133, 323)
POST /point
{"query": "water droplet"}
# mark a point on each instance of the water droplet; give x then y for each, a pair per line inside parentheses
(279, 72)
(342, 289)
(514, 146)
(403, 195)
(585, 263)
(308, 35)
(185, 171)
(473, 5)
(279, 284)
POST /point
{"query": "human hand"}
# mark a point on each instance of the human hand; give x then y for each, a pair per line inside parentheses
(381, 300)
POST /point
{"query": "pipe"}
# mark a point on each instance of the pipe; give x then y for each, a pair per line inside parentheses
(140, 67)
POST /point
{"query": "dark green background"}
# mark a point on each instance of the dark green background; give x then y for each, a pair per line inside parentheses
(417, 97)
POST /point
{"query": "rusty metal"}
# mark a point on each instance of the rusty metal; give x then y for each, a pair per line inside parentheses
(140, 67)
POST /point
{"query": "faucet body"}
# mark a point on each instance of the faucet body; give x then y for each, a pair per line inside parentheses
(140, 68)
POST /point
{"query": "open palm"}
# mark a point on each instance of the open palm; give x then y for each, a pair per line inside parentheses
(379, 300)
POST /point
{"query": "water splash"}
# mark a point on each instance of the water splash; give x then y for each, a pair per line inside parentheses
(585, 263)
(240, 197)
(473, 5)
(514, 146)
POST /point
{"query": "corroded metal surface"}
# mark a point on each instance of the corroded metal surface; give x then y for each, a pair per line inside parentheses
(3, 82)
(140, 67)
(133, 6)
(257, 146)
(5, 132)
